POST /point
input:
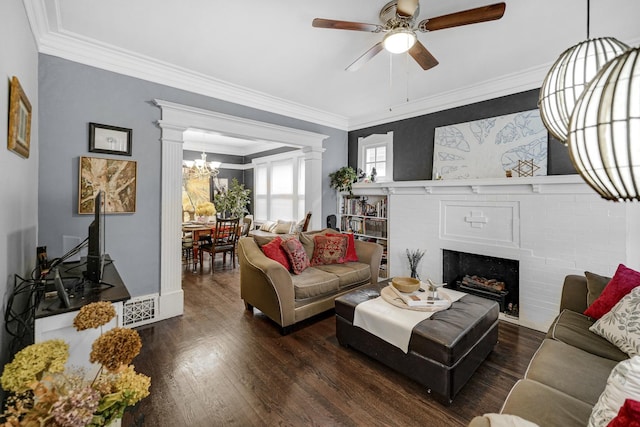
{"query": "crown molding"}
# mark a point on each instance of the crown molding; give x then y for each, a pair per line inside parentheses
(508, 84)
(71, 46)
(53, 40)
(489, 89)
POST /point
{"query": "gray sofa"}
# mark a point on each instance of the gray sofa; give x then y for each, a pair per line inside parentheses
(570, 368)
(288, 298)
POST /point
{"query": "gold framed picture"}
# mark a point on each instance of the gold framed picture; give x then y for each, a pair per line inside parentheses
(117, 178)
(19, 120)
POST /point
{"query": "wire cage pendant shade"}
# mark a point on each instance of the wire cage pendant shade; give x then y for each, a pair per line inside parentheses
(568, 77)
(604, 130)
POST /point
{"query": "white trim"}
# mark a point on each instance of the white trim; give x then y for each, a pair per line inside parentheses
(170, 305)
(175, 119)
(236, 166)
(551, 184)
(52, 39)
(238, 127)
(276, 157)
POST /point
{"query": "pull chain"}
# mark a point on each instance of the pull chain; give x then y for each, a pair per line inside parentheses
(390, 82)
(406, 69)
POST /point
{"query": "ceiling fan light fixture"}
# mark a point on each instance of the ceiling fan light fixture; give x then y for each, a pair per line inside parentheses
(399, 40)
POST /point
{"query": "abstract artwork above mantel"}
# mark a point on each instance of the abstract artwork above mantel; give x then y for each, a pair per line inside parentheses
(487, 148)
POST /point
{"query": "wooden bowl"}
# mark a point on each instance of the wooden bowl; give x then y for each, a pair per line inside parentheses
(405, 284)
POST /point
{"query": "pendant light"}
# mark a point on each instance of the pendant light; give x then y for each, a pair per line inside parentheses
(604, 131)
(568, 77)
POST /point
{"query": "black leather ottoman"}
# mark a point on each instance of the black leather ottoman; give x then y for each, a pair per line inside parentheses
(444, 350)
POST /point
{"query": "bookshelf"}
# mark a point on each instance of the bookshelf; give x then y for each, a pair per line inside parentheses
(366, 217)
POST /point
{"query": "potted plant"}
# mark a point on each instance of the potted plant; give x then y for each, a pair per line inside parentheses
(343, 179)
(233, 202)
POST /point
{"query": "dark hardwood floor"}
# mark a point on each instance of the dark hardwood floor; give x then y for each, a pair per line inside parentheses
(220, 365)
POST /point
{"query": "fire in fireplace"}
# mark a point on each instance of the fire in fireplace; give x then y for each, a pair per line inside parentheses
(485, 276)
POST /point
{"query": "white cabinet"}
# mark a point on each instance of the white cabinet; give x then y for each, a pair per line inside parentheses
(365, 215)
(60, 326)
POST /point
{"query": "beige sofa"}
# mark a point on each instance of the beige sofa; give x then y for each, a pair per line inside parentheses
(287, 298)
(569, 371)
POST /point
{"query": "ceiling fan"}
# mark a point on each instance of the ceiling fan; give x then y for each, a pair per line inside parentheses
(399, 19)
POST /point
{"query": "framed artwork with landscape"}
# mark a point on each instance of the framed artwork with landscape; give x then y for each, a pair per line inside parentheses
(19, 120)
(117, 178)
(109, 139)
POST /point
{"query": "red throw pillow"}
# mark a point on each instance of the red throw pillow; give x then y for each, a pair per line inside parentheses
(296, 254)
(274, 250)
(628, 416)
(620, 285)
(351, 247)
(329, 249)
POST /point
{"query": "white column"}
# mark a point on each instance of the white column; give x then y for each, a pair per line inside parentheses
(171, 295)
(313, 185)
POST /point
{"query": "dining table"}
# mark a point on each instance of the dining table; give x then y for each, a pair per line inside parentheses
(197, 230)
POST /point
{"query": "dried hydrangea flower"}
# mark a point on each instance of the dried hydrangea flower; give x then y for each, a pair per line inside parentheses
(76, 408)
(94, 315)
(31, 362)
(115, 348)
(135, 386)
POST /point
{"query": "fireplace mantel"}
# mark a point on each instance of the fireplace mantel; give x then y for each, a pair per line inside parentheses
(553, 184)
(552, 225)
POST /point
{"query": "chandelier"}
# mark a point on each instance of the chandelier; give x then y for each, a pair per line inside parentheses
(199, 168)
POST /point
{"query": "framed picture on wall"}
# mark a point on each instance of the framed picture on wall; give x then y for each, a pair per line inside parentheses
(117, 178)
(19, 120)
(109, 139)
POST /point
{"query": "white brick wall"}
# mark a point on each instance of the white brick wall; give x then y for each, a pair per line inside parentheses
(553, 226)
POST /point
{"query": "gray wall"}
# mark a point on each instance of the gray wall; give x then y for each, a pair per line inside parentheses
(19, 176)
(413, 138)
(72, 95)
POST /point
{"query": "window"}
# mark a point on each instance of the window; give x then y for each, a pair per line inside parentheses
(280, 187)
(376, 151)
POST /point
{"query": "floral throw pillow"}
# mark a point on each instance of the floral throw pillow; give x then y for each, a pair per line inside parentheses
(620, 285)
(275, 251)
(329, 249)
(623, 383)
(621, 325)
(296, 254)
(351, 254)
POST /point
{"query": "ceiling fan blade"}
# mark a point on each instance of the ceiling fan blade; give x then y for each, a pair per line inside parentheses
(464, 17)
(345, 25)
(365, 57)
(422, 56)
(406, 7)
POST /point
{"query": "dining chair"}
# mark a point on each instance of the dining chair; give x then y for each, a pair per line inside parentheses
(222, 240)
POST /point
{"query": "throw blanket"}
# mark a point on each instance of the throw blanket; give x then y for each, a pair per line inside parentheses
(503, 420)
(393, 324)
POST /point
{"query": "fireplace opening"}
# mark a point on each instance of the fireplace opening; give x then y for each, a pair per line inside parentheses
(485, 276)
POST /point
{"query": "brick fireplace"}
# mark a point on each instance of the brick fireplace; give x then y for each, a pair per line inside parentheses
(552, 226)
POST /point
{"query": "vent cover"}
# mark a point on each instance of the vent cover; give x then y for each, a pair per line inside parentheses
(140, 311)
